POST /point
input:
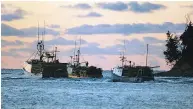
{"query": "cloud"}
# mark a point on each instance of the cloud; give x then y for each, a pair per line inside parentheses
(62, 41)
(133, 47)
(10, 31)
(152, 40)
(54, 26)
(5, 53)
(126, 28)
(59, 41)
(13, 51)
(102, 57)
(187, 6)
(7, 43)
(156, 46)
(91, 14)
(78, 6)
(32, 31)
(144, 7)
(7, 30)
(2, 6)
(117, 6)
(94, 49)
(8, 15)
(27, 49)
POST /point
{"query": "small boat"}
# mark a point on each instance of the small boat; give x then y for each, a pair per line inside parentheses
(78, 69)
(132, 73)
(47, 64)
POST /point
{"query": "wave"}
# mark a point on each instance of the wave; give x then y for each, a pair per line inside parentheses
(13, 78)
(174, 79)
(8, 74)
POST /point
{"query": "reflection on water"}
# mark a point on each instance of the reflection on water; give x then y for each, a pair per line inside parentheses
(21, 91)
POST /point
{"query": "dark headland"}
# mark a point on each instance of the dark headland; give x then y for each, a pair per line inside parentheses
(179, 53)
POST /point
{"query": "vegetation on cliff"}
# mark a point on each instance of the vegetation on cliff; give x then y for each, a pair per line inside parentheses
(179, 53)
(172, 53)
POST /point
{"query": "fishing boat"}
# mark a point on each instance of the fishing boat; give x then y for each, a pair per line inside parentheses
(45, 63)
(132, 73)
(79, 69)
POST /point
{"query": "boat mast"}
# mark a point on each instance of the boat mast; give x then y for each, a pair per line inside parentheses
(123, 56)
(78, 53)
(146, 55)
(40, 45)
(38, 32)
(44, 34)
(122, 60)
(74, 59)
(55, 53)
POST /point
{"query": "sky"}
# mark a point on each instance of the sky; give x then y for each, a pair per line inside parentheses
(102, 25)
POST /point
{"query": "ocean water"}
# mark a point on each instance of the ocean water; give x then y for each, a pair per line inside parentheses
(23, 92)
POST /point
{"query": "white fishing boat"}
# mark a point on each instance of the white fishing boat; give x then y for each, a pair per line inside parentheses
(131, 73)
(44, 63)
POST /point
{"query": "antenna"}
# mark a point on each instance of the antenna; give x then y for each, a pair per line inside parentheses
(38, 31)
(80, 43)
(124, 52)
(42, 36)
(43, 32)
(78, 52)
(75, 50)
(147, 55)
(44, 27)
(124, 47)
(55, 53)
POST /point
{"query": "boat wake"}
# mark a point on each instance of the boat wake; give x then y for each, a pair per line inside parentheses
(174, 79)
(31, 74)
(8, 74)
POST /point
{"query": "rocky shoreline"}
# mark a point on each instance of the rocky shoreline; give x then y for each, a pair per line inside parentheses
(181, 69)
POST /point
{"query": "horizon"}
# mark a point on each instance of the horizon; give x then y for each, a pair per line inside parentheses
(102, 26)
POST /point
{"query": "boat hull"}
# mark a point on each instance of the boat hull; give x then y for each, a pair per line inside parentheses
(131, 74)
(56, 70)
(46, 70)
(29, 70)
(31, 74)
(116, 78)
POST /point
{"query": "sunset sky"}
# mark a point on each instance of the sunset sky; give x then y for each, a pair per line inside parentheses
(102, 26)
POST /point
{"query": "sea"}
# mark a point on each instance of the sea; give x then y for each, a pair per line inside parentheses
(19, 91)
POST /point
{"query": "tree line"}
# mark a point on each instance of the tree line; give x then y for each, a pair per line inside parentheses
(180, 48)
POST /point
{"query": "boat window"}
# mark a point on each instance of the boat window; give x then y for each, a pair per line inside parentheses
(34, 61)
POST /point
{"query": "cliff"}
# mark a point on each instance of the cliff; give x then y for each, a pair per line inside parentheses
(180, 49)
(183, 68)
